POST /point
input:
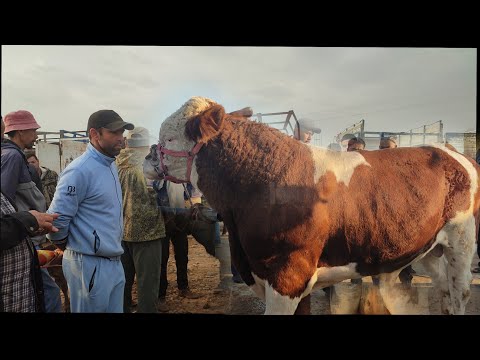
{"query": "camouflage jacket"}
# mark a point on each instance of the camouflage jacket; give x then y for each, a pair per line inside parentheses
(49, 183)
(142, 218)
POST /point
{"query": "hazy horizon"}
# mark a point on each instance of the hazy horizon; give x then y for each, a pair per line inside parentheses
(392, 89)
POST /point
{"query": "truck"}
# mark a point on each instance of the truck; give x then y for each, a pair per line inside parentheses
(55, 150)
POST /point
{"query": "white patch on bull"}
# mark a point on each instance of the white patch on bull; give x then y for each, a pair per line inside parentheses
(284, 304)
(277, 304)
(458, 237)
(326, 276)
(463, 232)
(462, 216)
(342, 164)
(259, 287)
(450, 273)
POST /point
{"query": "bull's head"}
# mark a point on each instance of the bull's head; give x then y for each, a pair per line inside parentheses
(181, 136)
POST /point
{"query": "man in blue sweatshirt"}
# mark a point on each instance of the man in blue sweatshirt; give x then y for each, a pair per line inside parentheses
(88, 199)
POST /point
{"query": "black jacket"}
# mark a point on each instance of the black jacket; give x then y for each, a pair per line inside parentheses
(15, 227)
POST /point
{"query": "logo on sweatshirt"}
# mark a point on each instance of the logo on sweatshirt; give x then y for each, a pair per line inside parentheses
(71, 191)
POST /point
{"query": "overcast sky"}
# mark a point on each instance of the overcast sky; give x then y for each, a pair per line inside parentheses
(393, 89)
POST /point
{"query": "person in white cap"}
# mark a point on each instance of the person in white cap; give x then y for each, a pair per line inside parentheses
(305, 133)
(144, 228)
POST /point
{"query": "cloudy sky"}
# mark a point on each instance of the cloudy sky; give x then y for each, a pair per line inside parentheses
(393, 89)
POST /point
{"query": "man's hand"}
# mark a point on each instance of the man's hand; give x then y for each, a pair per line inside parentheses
(45, 222)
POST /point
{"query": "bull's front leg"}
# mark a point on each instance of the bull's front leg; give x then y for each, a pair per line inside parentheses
(277, 304)
(304, 305)
(288, 293)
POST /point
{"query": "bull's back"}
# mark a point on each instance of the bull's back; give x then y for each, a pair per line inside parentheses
(395, 205)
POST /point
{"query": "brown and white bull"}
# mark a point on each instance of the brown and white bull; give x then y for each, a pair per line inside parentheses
(300, 216)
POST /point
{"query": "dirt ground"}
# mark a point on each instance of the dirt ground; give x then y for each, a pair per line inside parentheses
(203, 279)
(212, 279)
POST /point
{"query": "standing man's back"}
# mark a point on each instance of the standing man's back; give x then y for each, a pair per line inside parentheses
(144, 225)
(89, 201)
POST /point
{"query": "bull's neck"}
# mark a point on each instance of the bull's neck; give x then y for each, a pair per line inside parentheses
(251, 153)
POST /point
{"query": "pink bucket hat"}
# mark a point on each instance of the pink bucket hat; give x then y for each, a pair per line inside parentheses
(19, 120)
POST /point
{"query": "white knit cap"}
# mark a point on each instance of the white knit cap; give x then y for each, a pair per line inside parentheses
(138, 137)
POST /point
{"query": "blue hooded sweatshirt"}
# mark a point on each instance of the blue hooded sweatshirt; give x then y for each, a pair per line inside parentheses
(88, 199)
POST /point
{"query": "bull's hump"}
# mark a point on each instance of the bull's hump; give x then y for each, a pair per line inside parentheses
(341, 164)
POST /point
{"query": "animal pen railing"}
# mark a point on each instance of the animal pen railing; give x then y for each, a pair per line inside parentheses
(286, 125)
(55, 136)
(426, 134)
(287, 122)
(465, 143)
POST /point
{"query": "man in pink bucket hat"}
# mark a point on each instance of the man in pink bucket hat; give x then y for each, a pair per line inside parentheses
(20, 120)
(21, 128)
(18, 185)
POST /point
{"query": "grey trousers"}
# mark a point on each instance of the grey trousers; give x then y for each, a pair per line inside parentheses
(143, 259)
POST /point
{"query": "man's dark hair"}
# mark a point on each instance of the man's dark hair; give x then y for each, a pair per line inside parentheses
(100, 131)
(389, 139)
(357, 140)
(30, 153)
(348, 137)
(12, 133)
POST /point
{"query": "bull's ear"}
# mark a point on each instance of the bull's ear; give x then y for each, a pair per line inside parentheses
(206, 125)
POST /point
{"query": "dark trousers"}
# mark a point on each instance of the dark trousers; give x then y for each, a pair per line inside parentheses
(143, 259)
(177, 233)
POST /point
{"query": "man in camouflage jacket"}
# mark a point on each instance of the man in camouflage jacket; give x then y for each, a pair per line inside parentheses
(144, 227)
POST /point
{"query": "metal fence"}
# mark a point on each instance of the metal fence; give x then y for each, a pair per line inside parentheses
(287, 122)
(357, 129)
(423, 135)
(55, 136)
(284, 121)
(466, 143)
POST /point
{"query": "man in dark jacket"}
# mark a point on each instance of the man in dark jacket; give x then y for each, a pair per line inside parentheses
(19, 186)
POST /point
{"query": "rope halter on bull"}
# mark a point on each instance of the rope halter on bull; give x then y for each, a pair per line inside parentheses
(190, 155)
(156, 161)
